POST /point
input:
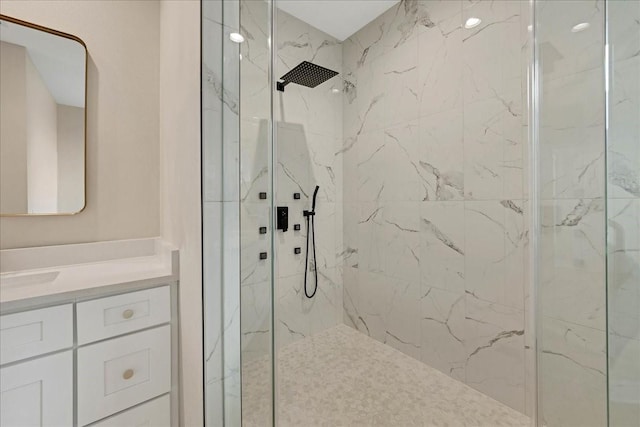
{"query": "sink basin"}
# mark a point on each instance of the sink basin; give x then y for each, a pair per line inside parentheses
(10, 280)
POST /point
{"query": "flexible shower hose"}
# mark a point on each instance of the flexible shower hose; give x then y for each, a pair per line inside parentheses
(311, 234)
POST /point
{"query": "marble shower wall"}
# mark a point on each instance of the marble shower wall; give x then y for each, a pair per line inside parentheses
(435, 207)
(308, 140)
(623, 213)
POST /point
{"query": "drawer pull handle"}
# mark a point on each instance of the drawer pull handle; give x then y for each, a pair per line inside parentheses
(127, 314)
(127, 374)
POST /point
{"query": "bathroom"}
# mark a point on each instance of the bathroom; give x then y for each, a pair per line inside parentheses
(321, 212)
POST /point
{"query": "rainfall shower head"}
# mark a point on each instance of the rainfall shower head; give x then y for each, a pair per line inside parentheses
(306, 74)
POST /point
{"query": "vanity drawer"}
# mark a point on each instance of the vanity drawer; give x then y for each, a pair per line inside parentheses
(117, 315)
(117, 374)
(156, 413)
(36, 332)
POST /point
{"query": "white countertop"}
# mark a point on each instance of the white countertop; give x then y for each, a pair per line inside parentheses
(148, 262)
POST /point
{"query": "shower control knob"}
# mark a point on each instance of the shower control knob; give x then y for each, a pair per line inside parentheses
(262, 196)
(263, 255)
(296, 196)
(297, 251)
(263, 230)
(296, 227)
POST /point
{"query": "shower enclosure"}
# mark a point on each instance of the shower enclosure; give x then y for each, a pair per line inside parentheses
(477, 223)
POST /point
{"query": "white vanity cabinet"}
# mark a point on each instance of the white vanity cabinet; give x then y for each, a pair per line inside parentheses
(104, 361)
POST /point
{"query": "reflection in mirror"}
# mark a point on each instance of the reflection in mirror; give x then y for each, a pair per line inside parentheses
(42, 120)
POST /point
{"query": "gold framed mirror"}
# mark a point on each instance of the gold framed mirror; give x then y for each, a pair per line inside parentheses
(43, 104)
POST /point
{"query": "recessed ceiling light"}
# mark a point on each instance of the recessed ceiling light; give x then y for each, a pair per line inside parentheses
(236, 37)
(472, 22)
(580, 27)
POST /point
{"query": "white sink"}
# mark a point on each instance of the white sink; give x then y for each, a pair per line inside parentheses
(10, 280)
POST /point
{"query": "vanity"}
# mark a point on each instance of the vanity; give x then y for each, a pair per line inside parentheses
(89, 335)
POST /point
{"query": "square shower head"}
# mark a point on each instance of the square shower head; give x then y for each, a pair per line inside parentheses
(306, 74)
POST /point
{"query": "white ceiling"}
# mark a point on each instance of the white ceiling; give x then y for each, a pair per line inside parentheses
(338, 18)
(59, 60)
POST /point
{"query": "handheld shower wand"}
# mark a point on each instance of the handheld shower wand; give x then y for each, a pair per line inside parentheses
(311, 233)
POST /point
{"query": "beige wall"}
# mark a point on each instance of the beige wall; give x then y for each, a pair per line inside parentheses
(70, 158)
(122, 129)
(42, 143)
(180, 175)
(13, 117)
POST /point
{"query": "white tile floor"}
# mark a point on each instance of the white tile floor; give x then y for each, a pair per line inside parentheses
(341, 377)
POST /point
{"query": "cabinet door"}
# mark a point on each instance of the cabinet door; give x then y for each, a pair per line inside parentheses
(38, 392)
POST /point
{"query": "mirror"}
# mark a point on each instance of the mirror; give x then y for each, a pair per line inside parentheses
(42, 120)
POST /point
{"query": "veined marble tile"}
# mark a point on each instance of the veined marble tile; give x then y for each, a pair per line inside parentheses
(350, 234)
(440, 65)
(212, 292)
(389, 308)
(389, 168)
(441, 155)
(492, 149)
(572, 374)
(212, 155)
(389, 240)
(624, 17)
(212, 34)
(624, 381)
(366, 96)
(564, 52)
(400, 68)
(623, 267)
(298, 316)
(253, 216)
(494, 252)
(254, 159)
(443, 331)
(255, 312)
(492, 49)
(572, 266)
(365, 45)
(442, 246)
(405, 21)
(494, 344)
(624, 129)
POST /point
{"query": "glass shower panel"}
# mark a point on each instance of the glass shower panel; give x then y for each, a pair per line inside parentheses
(257, 257)
(623, 212)
(572, 361)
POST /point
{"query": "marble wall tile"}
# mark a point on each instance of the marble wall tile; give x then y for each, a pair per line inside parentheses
(255, 316)
(442, 246)
(494, 254)
(572, 265)
(494, 343)
(572, 137)
(400, 69)
(389, 311)
(389, 239)
(624, 381)
(442, 328)
(440, 65)
(623, 267)
(441, 155)
(439, 199)
(573, 374)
